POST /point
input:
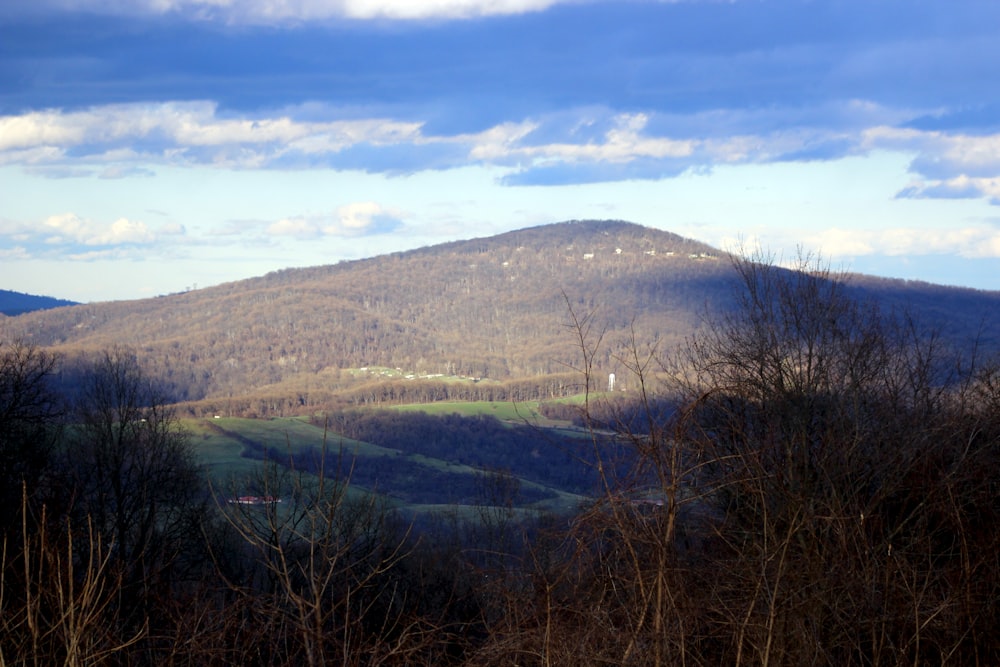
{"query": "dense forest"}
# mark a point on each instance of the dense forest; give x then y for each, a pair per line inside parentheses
(471, 319)
(812, 479)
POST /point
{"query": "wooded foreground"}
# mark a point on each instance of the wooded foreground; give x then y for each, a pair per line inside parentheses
(809, 481)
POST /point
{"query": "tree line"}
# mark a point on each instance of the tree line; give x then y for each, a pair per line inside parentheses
(810, 480)
(291, 399)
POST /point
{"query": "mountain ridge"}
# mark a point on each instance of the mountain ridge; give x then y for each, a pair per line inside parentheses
(14, 303)
(495, 309)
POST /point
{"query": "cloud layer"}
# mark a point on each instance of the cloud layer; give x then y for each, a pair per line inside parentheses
(125, 95)
(584, 145)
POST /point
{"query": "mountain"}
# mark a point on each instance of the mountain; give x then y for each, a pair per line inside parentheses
(481, 318)
(16, 303)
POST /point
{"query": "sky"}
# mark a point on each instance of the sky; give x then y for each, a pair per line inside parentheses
(150, 147)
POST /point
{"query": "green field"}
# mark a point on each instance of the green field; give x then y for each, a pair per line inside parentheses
(229, 449)
(524, 412)
(505, 410)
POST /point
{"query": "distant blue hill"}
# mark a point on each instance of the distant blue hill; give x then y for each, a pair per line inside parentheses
(16, 303)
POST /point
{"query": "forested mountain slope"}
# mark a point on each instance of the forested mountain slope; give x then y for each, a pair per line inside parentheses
(493, 309)
(17, 303)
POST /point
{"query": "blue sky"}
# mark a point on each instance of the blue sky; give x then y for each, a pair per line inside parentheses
(152, 146)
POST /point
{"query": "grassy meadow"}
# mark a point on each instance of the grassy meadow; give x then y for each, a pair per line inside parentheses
(231, 450)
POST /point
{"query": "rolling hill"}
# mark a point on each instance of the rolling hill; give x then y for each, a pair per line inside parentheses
(18, 303)
(483, 318)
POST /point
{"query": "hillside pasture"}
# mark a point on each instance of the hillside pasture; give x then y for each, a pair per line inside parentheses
(232, 451)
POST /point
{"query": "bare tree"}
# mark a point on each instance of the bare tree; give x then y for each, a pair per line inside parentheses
(841, 459)
(612, 586)
(134, 476)
(56, 597)
(327, 558)
(809, 482)
(29, 422)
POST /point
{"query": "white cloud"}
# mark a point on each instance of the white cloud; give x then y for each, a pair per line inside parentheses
(499, 143)
(336, 136)
(950, 165)
(959, 187)
(419, 9)
(982, 241)
(356, 219)
(124, 230)
(973, 154)
(65, 227)
(297, 227)
(623, 143)
(127, 140)
(181, 129)
(36, 129)
(193, 132)
(71, 228)
(67, 230)
(270, 11)
(843, 242)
